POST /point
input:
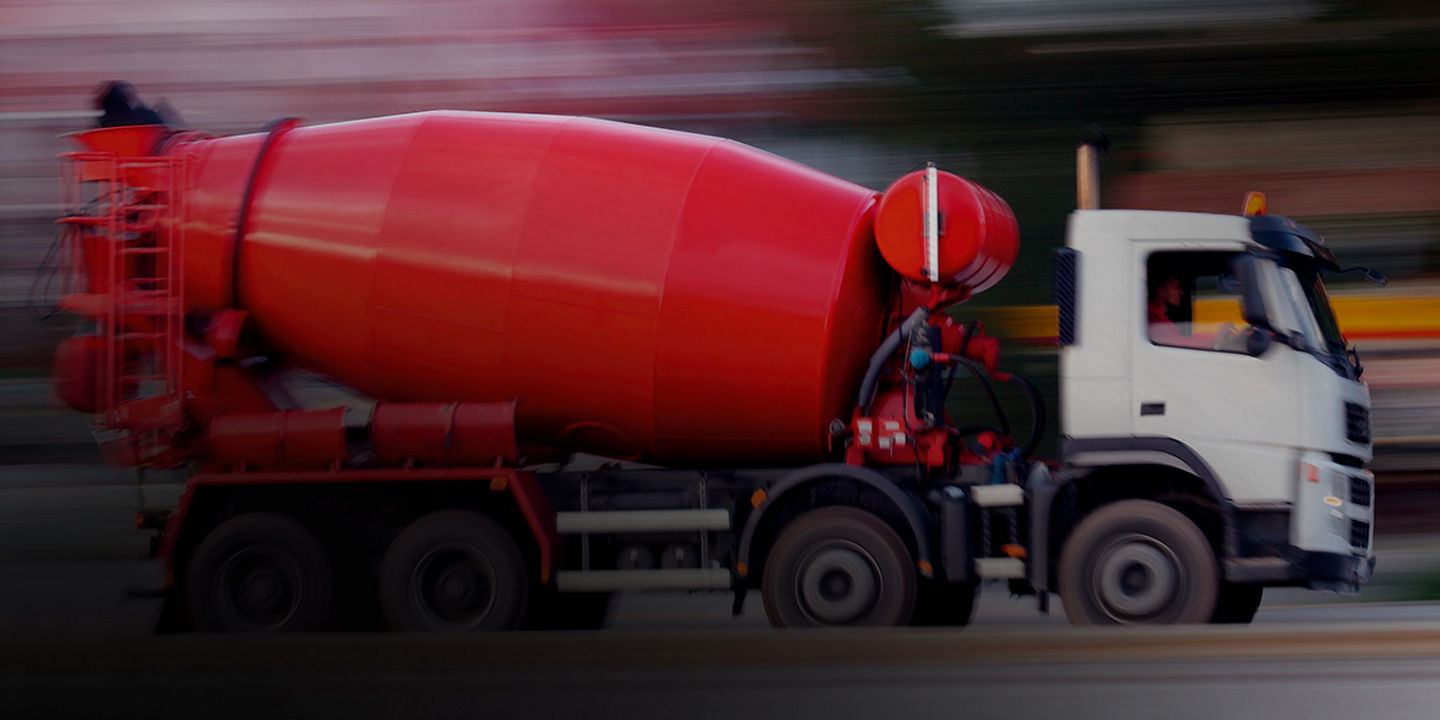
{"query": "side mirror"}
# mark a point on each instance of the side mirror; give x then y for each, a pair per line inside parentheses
(1257, 341)
(1374, 276)
(1252, 302)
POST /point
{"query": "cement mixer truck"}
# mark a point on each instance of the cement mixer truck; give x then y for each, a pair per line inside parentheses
(591, 357)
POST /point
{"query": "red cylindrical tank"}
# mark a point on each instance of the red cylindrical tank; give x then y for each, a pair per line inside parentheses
(672, 297)
(289, 439)
(978, 236)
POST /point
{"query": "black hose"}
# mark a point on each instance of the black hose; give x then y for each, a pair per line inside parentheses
(950, 374)
(40, 301)
(882, 356)
(1037, 415)
(984, 378)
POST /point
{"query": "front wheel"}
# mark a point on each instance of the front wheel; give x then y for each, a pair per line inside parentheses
(1137, 561)
(453, 571)
(838, 566)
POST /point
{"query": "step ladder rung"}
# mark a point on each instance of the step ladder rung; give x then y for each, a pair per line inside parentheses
(639, 521)
(86, 303)
(149, 308)
(1000, 568)
(615, 580)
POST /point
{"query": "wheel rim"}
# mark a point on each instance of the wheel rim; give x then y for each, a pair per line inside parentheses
(261, 586)
(1136, 578)
(455, 584)
(839, 583)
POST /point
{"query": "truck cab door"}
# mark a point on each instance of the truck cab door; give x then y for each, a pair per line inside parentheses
(1205, 378)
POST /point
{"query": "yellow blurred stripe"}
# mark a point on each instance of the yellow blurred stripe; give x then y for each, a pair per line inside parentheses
(1361, 316)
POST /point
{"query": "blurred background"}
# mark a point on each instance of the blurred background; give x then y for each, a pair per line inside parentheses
(1330, 107)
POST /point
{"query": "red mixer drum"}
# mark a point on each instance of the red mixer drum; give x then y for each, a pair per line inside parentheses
(977, 234)
(643, 293)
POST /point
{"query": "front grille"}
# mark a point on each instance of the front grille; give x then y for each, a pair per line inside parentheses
(1357, 423)
(1359, 491)
(1360, 534)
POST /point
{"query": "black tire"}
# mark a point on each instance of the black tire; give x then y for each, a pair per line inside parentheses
(259, 572)
(940, 604)
(1237, 604)
(1137, 561)
(838, 566)
(453, 571)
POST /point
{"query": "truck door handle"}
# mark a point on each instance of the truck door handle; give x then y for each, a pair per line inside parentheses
(1152, 408)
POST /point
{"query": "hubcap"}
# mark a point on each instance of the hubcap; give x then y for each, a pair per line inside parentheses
(839, 583)
(454, 583)
(1137, 577)
(260, 585)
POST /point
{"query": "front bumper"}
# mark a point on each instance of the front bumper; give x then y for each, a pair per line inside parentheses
(1333, 571)
(1317, 570)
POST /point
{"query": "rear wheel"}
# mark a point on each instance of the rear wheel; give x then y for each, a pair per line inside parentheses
(838, 566)
(1237, 604)
(259, 572)
(1137, 561)
(453, 571)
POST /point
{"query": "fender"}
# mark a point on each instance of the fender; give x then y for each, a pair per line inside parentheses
(906, 502)
(1082, 455)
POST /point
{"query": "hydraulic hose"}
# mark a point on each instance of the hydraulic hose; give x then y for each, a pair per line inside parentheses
(883, 353)
(984, 377)
(1037, 415)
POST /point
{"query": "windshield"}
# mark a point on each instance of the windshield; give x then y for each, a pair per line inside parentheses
(1304, 322)
(1324, 314)
(1305, 311)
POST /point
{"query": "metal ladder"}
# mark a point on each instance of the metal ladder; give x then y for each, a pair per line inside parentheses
(122, 229)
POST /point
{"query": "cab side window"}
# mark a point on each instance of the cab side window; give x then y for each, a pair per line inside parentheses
(1193, 301)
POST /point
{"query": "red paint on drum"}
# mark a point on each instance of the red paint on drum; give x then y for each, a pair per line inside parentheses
(704, 301)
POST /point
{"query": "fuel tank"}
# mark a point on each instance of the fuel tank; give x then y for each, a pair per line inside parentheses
(649, 294)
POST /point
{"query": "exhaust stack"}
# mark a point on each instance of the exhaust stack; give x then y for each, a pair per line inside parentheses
(1087, 169)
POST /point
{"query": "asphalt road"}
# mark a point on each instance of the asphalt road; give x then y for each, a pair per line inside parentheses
(1298, 671)
(73, 645)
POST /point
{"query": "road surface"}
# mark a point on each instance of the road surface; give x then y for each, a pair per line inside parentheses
(1293, 671)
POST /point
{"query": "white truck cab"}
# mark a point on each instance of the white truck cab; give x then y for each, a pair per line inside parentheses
(1206, 388)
